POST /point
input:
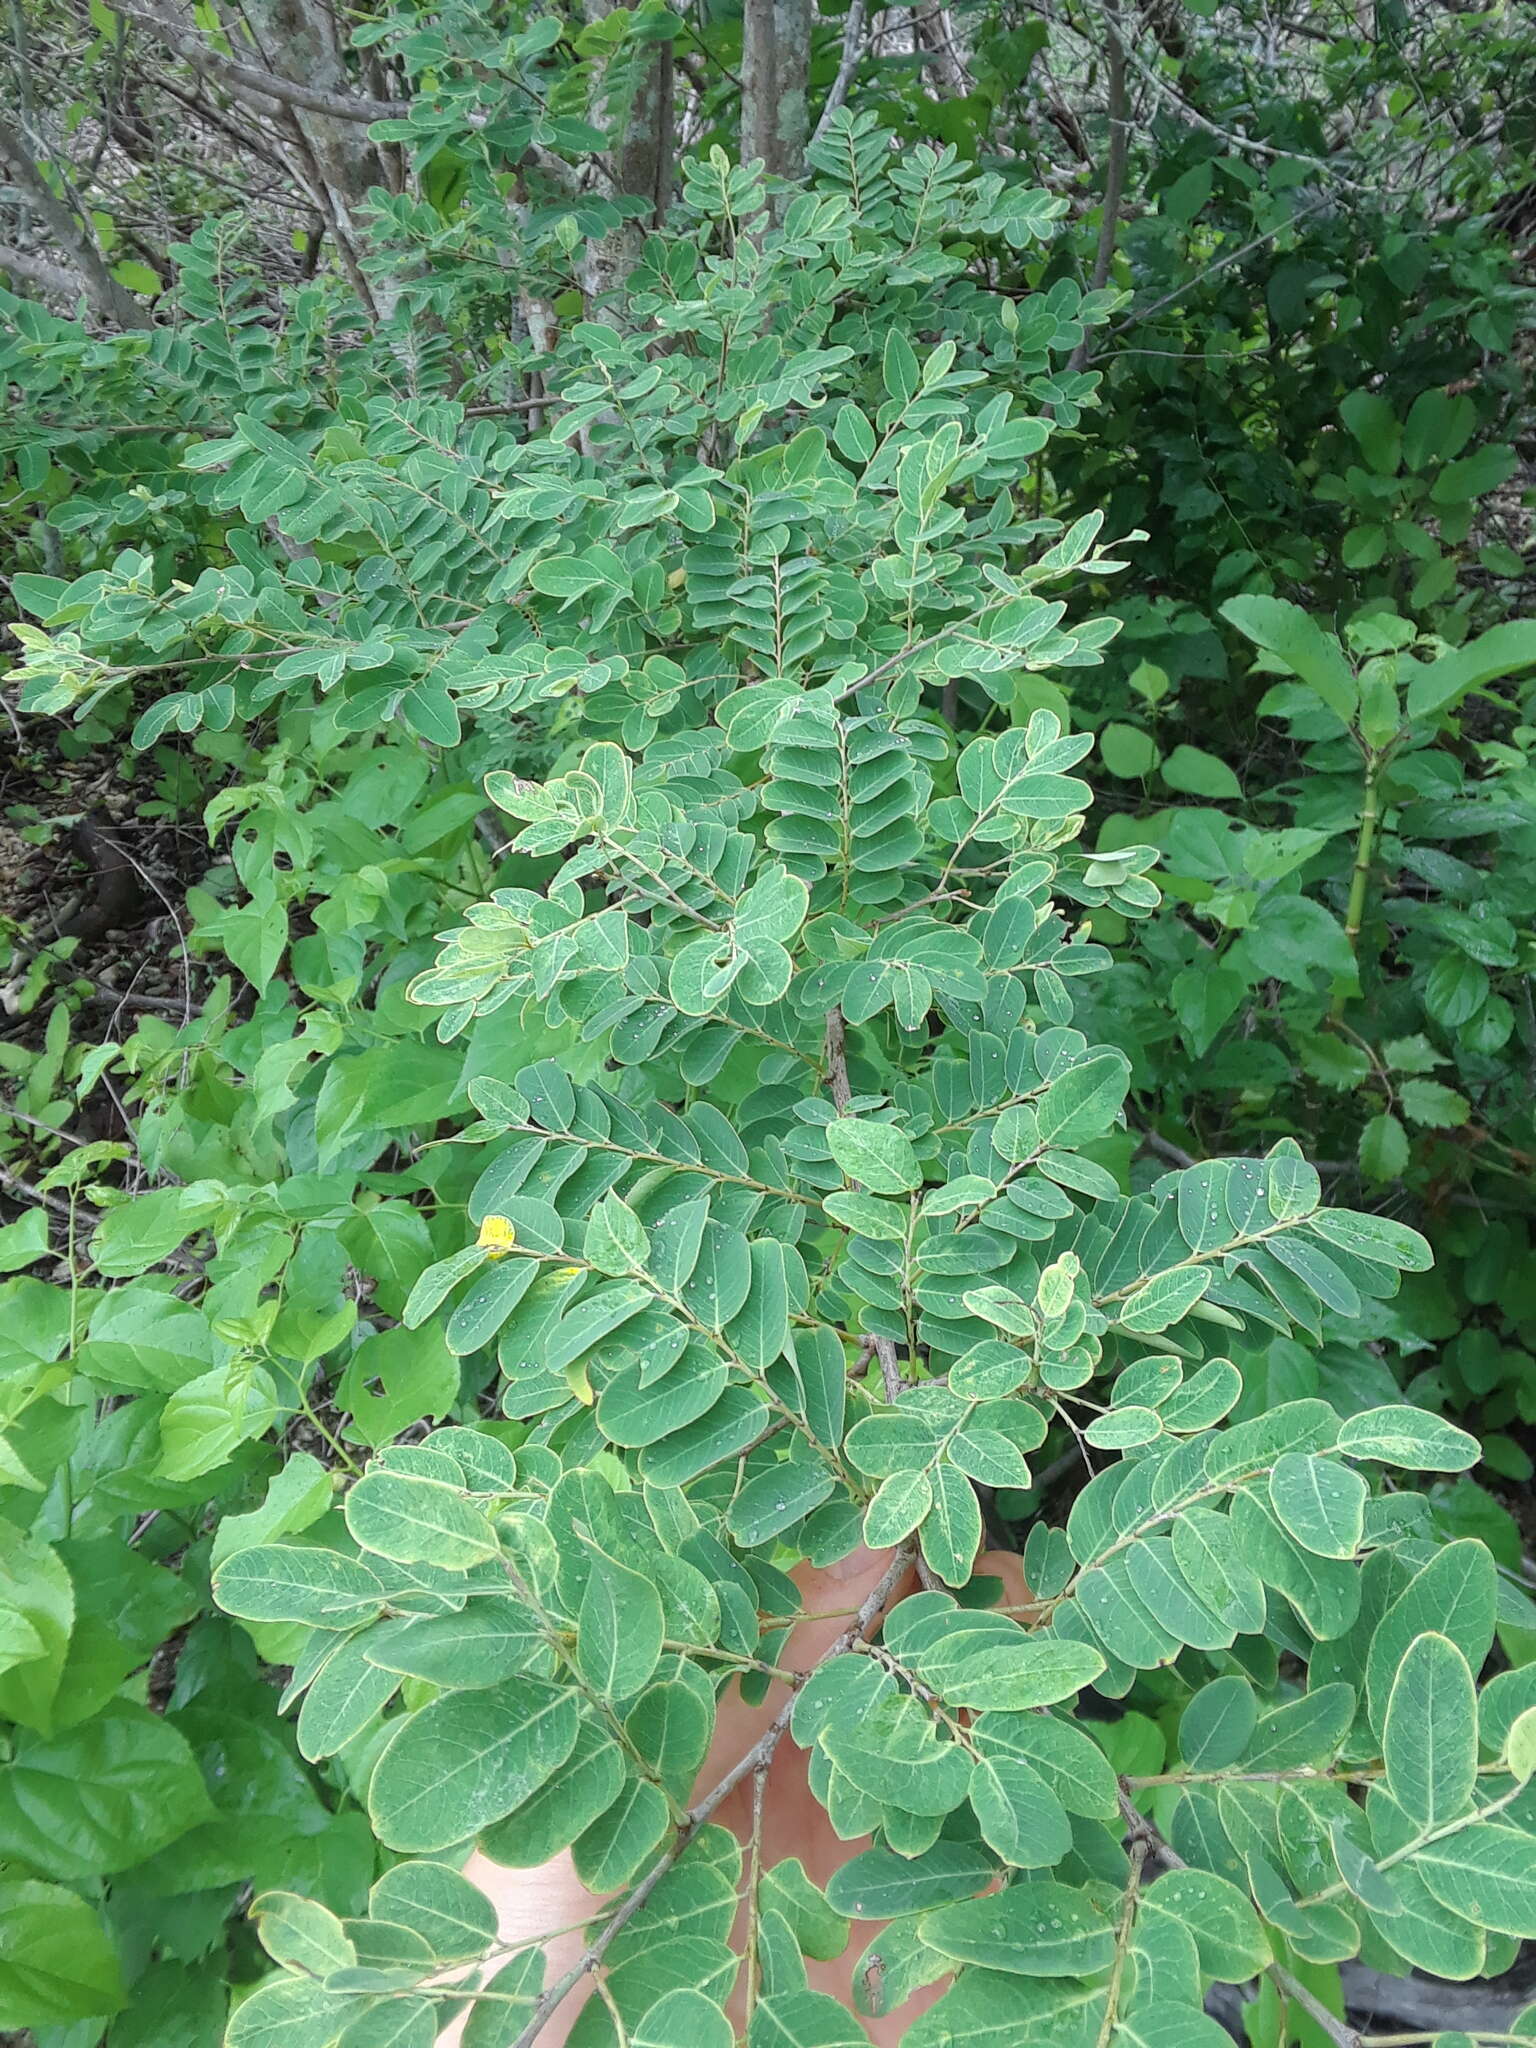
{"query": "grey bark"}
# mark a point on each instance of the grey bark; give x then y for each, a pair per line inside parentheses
(636, 107)
(642, 163)
(775, 72)
(298, 40)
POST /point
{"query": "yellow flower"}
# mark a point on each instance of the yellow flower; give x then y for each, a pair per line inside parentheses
(497, 1237)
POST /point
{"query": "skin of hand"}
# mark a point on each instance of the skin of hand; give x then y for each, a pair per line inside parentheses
(533, 1904)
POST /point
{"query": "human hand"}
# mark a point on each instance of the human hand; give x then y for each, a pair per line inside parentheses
(550, 1905)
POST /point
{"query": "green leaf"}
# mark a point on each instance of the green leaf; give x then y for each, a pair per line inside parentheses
(395, 2023)
(1170, 2026)
(804, 2019)
(1433, 1104)
(1380, 1239)
(1218, 1724)
(1195, 773)
(344, 1697)
(1429, 1735)
(1127, 751)
(1455, 1594)
(1503, 650)
(1225, 1927)
(56, 1962)
(619, 1633)
(208, 1419)
(876, 1155)
(895, 1756)
(289, 2012)
(1383, 1150)
(1520, 1747)
(467, 1760)
(1486, 1873)
(1069, 1760)
(880, 1885)
(1320, 1502)
(565, 1805)
(670, 1726)
(900, 367)
(418, 1521)
(684, 2018)
(494, 1638)
(987, 2009)
(149, 1228)
(1006, 1669)
(1083, 1102)
(1306, 1730)
(776, 1498)
(1300, 644)
(24, 1241)
(900, 1503)
(495, 2024)
(1374, 424)
(623, 1838)
(1164, 1300)
(100, 1797)
(396, 1378)
(1019, 1815)
(299, 1494)
(1044, 1929)
(301, 1934)
(37, 1615)
(854, 436)
(951, 1531)
(1408, 1437)
(454, 1917)
(287, 1582)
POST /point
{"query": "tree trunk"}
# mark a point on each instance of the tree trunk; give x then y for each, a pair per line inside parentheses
(298, 41)
(636, 107)
(643, 158)
(775, 70)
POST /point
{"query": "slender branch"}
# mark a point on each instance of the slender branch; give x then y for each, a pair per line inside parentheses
(855, 43)
(1338, 2031)
(1247, 144)
(229, 71)
(1360, 873)
(243, 138)
(1114, 167)
(757, 1758)
(1211, 270)
(1140, 1850)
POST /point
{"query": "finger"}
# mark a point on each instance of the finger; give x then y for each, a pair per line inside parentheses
(547, 1907)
